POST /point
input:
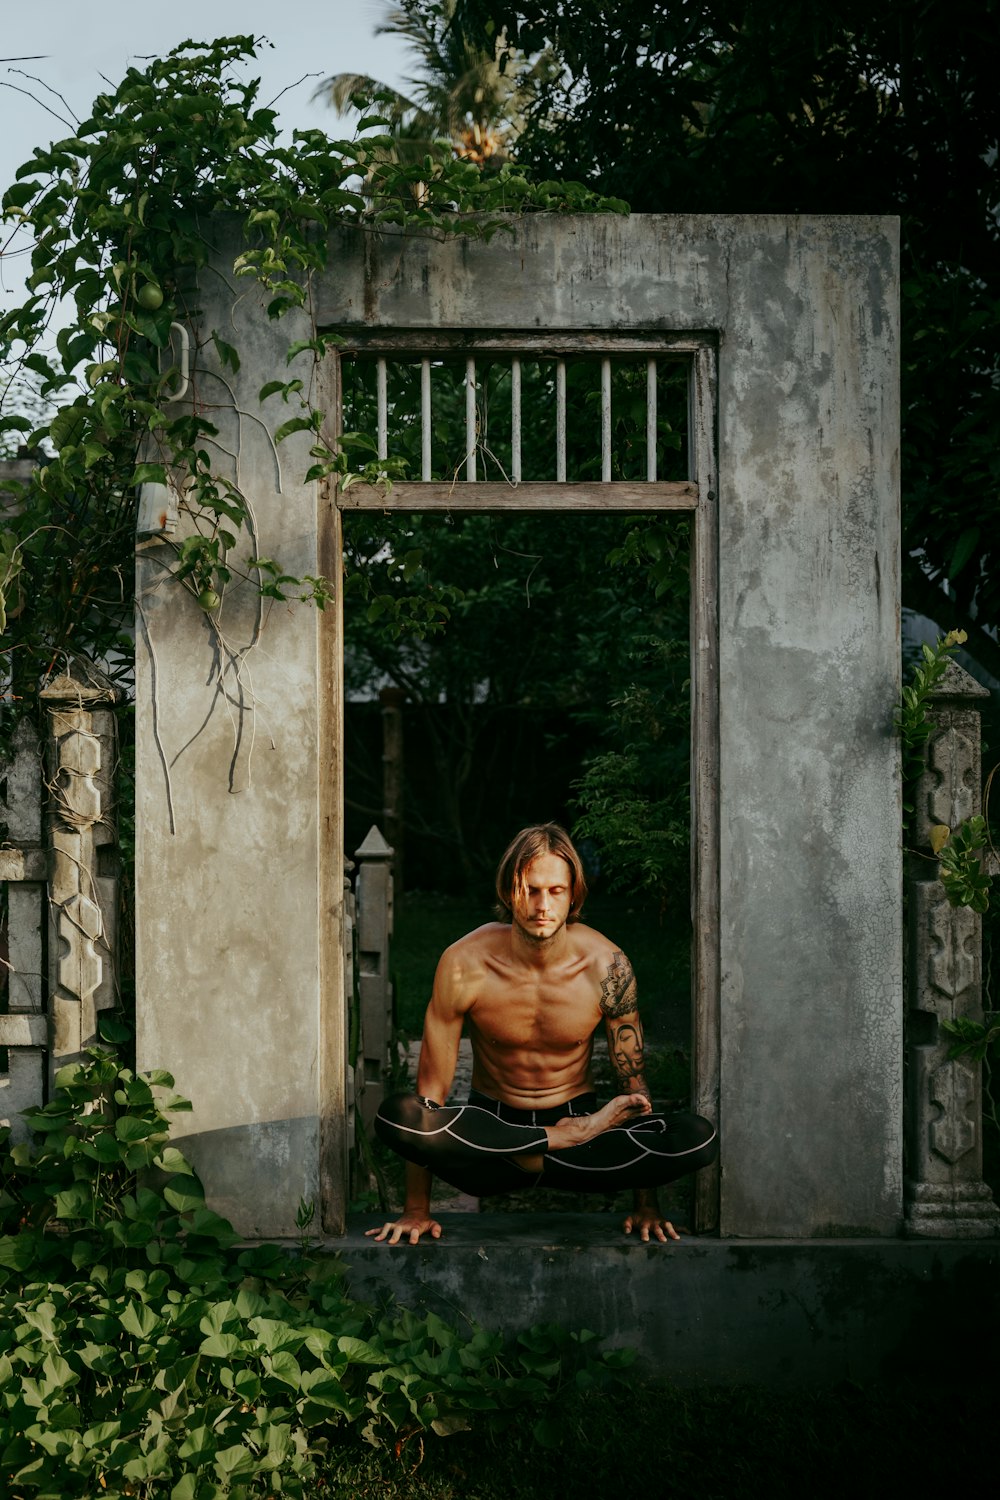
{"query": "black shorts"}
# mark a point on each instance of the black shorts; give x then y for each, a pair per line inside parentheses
(580, 1104)
(486, 1147)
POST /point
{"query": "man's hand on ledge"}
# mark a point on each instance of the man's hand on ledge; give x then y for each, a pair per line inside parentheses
(410, 1225)
(651, 1224)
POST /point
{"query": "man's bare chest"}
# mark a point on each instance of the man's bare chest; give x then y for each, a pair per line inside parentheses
(538, 1013)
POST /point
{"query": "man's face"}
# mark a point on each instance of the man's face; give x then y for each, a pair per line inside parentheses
(628, 1051)
(542, 905)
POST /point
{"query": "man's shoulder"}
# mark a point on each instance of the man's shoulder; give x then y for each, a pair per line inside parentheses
(471, 951)
(594, 944)
(481, 939)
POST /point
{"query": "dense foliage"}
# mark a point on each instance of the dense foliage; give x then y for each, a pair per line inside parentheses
(143, 1351)
(514, 637)
(766, 106)
(542, 675)
(118, 217)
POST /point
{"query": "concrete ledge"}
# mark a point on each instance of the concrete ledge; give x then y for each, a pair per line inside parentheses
(706, 1311)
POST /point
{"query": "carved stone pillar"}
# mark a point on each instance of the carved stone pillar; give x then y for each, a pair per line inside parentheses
(945, 1194)
(24, 1027)
(392, 700)
(374, 896)
(81, 752)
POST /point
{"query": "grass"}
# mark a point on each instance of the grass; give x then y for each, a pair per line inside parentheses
(733, 1443)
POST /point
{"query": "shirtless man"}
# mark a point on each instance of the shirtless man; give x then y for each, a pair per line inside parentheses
(531, 992)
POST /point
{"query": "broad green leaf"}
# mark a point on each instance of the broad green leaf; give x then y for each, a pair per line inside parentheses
(146, 474)
(186, 1195)
(101, 1434)
(235, 1462)
(172, 1160)
(149, 1465)
(131, 1128)
(74, 1202)
(139, 1320)
(362, 1353)
(284, 1367)
(294, 424)
(220, 1345)
(57, 1372)
(274, 1335)
(445, 1426)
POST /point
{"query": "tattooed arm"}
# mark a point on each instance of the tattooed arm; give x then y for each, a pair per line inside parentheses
(623, 1027)
(620, 1009)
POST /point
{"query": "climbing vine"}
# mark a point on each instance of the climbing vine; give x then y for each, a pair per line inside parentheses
(118, 214)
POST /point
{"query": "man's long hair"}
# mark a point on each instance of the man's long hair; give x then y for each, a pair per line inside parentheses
(540, 838)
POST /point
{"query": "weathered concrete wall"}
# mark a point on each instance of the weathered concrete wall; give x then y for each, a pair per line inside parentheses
(806, 314)
(231, 763)
(231, 908)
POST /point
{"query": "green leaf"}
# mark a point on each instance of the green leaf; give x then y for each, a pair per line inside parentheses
(294, 424)
(74, 1202)
(149, 1465)
(361, 1353)
(220, 1345)
(235, 1462)
(199, 1446)
(962, 551)
(149, 474)
(131, 1128)
(172, 1160)
(284, 1367)
(186, 1195)
(227, 354)
(139, 1320)
(57, 1371)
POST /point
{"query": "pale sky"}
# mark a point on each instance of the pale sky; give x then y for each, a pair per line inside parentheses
(79, 43)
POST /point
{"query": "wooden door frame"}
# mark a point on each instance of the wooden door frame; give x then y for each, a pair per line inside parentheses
(698, 497)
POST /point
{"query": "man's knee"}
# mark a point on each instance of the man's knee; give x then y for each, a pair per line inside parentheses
(400, 1122)
(704, 1146)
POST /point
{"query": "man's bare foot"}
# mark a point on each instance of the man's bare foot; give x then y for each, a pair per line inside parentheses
(576, 1129)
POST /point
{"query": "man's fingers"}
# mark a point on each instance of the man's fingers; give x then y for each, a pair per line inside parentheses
(393, 1233)
(662, 1228)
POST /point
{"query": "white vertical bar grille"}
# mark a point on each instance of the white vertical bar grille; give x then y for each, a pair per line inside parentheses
(515, 421)
(425, 419)
(606, 421)
(651, 421)
(561, 422)
(382, 407)
(470, 420)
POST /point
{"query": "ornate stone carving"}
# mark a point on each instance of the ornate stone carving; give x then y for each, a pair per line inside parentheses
(953, 758)
(24, 1027)
(81, 902)
(952, 1087)
(945, 954)
(945, 1194)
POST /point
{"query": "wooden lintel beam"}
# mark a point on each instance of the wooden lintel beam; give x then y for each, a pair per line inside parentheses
(553, 343)
(498, 496)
